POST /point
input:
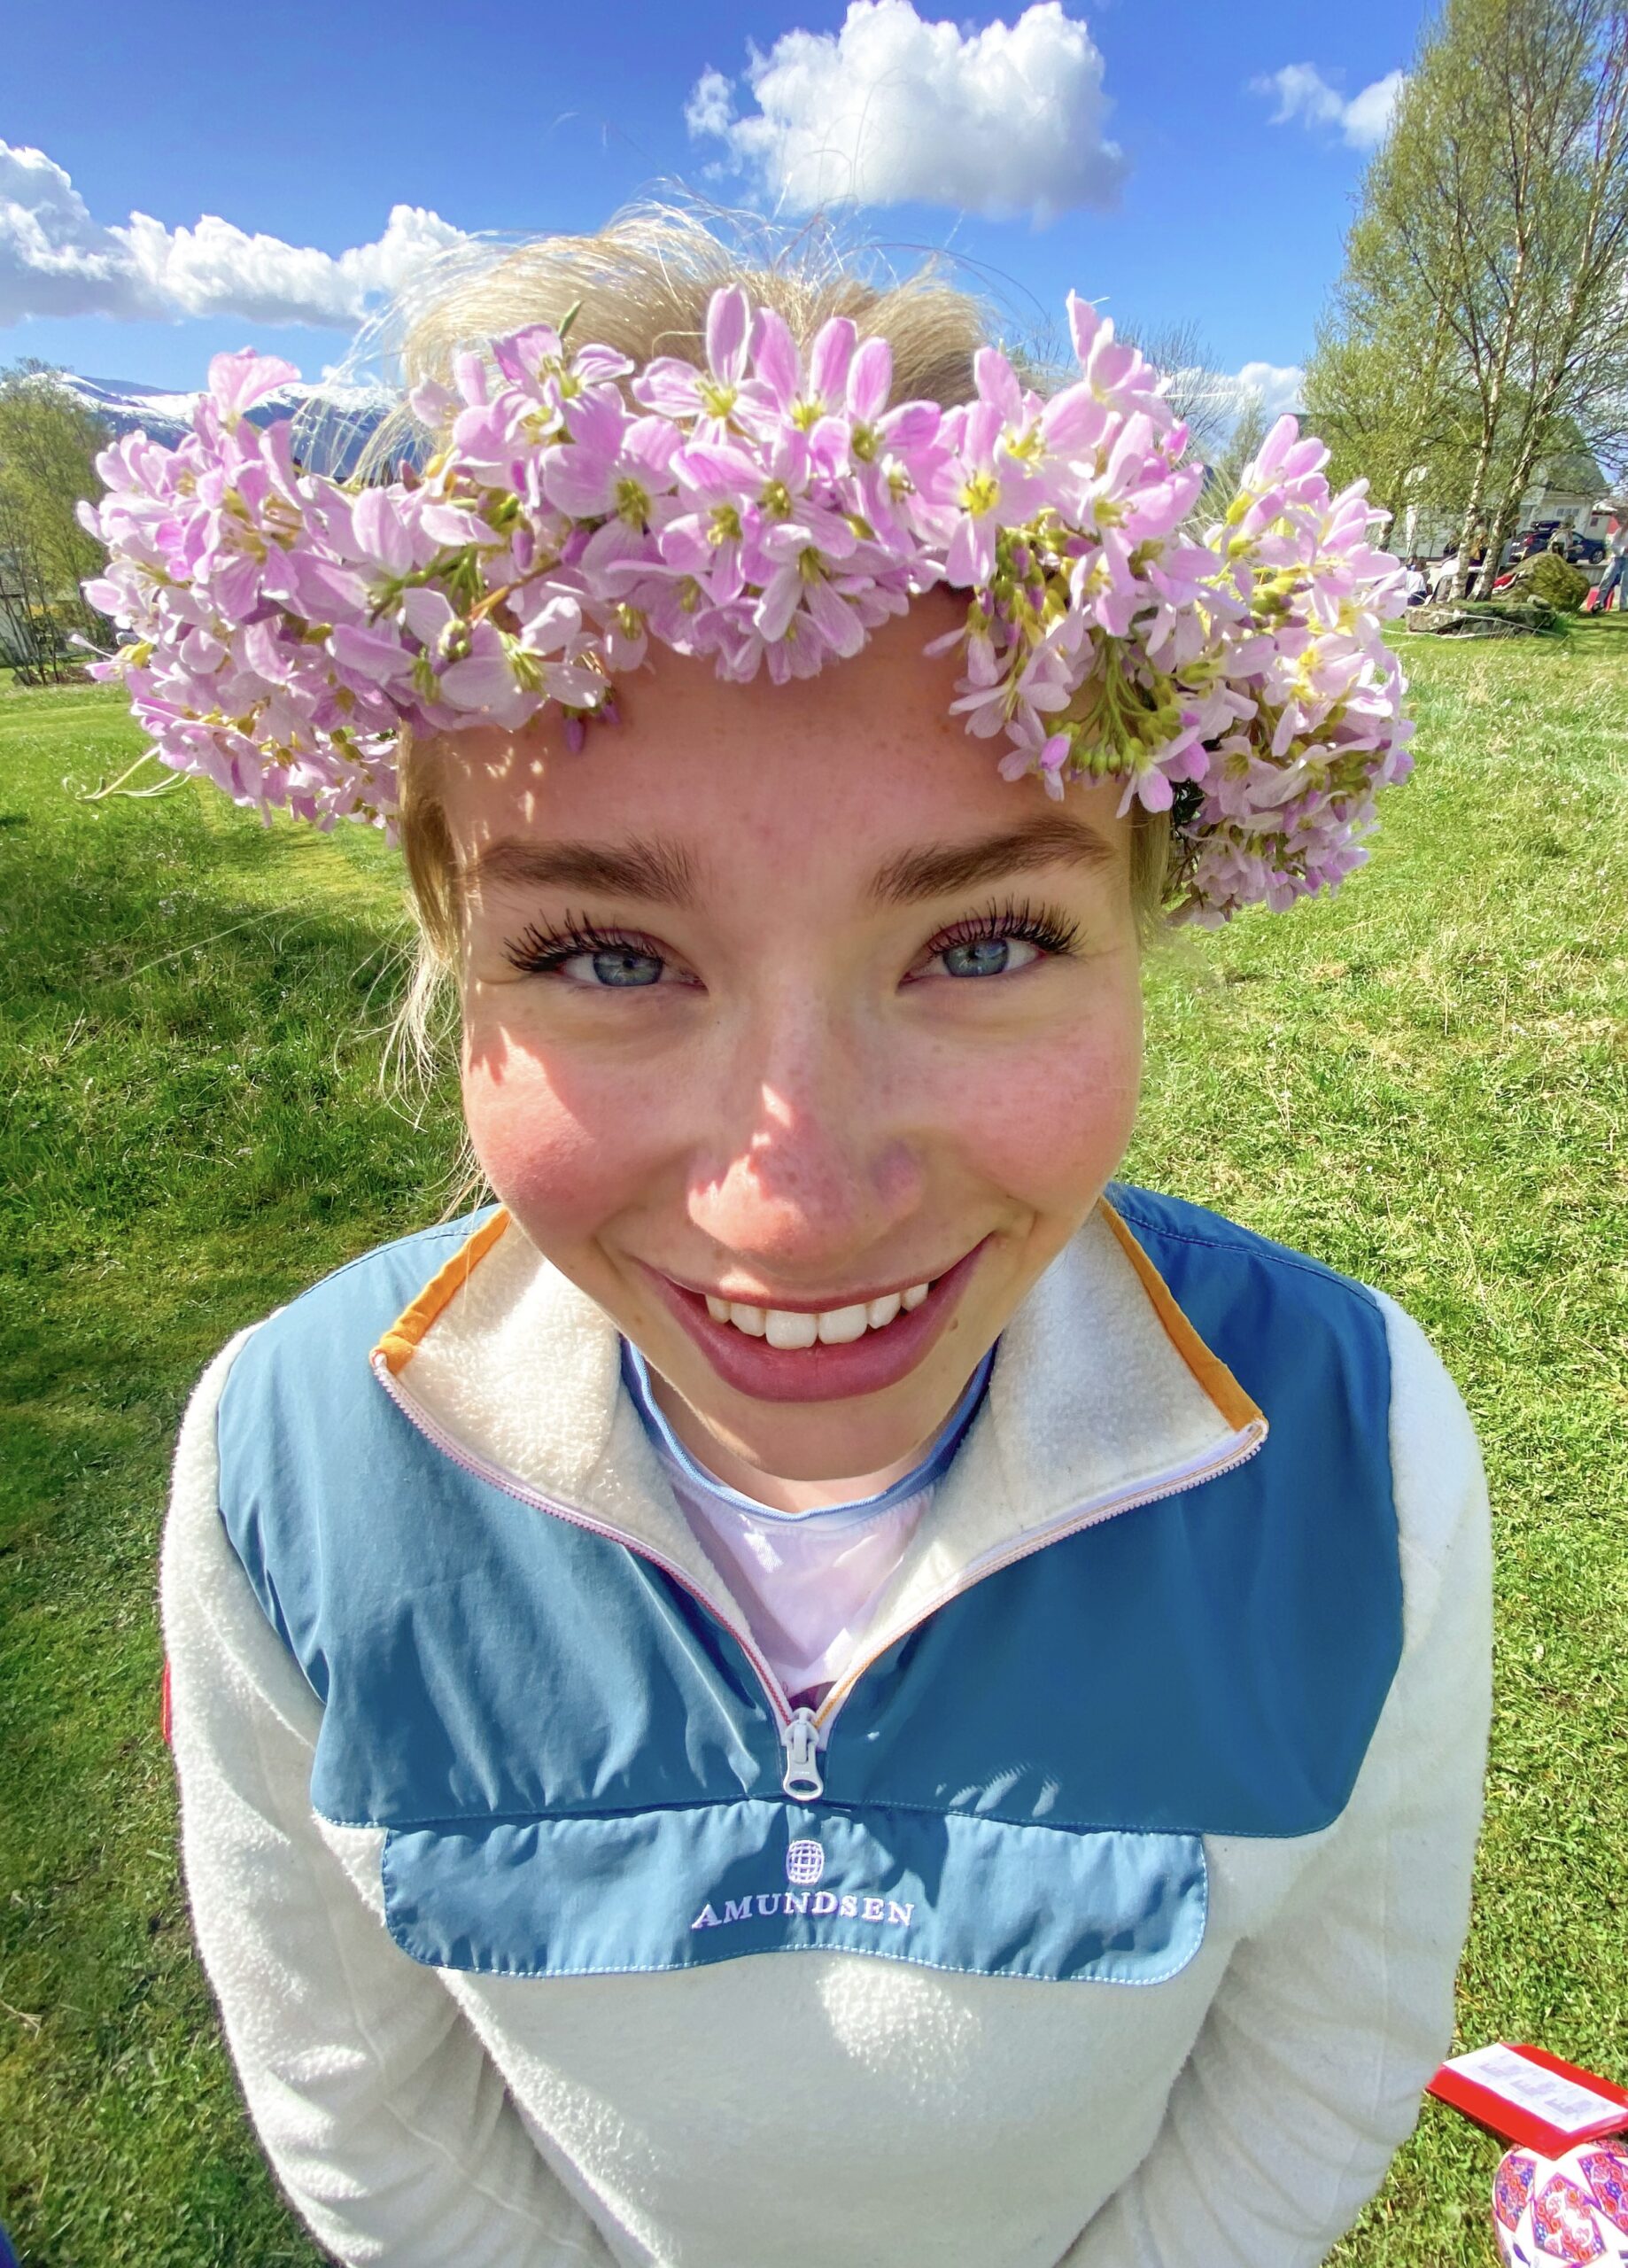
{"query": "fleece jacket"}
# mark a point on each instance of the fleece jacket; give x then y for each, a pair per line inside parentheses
(1105, 1913)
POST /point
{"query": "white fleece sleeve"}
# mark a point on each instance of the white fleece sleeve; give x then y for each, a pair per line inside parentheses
(384, 2119)
(1307, 2074)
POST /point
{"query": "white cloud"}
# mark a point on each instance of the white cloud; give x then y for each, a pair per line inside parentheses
(1275, 385)
(1368, 114)
(1212, 401)
(56, 260)
(1303, 93)
(711, 106)
(891, 109)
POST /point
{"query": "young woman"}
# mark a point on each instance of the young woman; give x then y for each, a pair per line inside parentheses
(818, 1680)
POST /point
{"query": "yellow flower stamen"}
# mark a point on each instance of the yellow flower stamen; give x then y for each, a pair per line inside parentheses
(982, 493)
(633, 503)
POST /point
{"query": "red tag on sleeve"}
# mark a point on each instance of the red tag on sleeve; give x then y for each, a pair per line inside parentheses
(1527, 2095)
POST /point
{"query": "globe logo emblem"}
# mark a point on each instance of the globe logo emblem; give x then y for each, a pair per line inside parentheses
(805, 1862)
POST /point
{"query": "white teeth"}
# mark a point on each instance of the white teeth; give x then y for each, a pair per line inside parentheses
(788, 1327)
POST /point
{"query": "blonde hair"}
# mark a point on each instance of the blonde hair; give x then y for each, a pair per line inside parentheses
(641, 285)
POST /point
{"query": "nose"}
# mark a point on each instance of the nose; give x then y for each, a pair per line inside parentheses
(810, 1171)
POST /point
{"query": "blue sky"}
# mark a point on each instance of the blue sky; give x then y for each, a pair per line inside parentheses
(1241, 136)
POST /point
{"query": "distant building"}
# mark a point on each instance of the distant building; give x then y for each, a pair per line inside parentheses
(1568, 493)
(1568, 490)
(12, 645)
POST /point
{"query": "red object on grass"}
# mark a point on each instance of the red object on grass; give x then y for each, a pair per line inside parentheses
(1497, 2094)
(165, 1721)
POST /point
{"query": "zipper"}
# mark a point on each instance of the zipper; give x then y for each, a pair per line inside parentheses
(803, 1780)
(803, 1732)
(1244, 1445)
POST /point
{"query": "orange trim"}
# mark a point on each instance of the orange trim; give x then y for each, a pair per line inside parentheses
(1211, 1372)
(400, 1343)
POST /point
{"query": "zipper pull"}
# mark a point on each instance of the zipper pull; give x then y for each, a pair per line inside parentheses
(801, 1781)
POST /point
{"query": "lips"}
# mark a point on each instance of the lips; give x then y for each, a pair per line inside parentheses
(840, 1355)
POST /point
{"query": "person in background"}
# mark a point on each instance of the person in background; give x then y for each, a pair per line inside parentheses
(1617, 561)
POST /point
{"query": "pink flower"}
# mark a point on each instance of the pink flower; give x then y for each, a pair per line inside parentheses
(237, 382)
(677, 389)
(971, 560)
(382, 535)
(771, 514)
(1116, 374)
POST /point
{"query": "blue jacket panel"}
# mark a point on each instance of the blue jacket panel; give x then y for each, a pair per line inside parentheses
(578, 1769)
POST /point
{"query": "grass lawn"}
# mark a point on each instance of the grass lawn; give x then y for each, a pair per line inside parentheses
(1422, 1083)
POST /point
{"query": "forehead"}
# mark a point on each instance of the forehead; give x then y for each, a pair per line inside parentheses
(829, 773)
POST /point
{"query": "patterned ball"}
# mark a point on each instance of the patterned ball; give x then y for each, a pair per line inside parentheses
(805, 1862)
(1569, 2208)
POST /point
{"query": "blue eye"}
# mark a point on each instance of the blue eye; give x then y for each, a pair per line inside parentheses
(622, 965)
(988, 956)
(983, 956)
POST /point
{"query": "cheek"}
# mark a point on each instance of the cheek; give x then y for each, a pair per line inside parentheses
(1052, 1127)
(562, 1165)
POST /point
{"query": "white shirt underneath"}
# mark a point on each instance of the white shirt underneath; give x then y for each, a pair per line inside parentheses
(805, 1581)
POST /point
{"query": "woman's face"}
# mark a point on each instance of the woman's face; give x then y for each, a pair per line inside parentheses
(782, 999)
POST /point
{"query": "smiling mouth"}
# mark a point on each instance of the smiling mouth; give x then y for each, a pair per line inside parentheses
(819, 1353)
(793, 1328)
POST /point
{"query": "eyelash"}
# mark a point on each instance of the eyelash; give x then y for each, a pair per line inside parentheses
(1040, 925)
(539, 951)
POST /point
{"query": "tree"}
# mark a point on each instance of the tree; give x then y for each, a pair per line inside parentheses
(48, 446)
(1385, 391)
(1570, 355)
(1485, 271)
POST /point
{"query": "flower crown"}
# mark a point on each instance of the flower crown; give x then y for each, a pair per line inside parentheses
(281, 628)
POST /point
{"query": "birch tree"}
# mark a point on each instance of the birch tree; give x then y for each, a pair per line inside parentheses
(48, 446)
(1571, 351)
(1485, 273)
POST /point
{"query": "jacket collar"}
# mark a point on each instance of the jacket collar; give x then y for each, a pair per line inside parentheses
(1102, 1396)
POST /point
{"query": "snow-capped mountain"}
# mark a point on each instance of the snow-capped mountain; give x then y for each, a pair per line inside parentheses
(331, 423)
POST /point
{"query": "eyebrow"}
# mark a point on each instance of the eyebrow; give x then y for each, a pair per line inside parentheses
(944, 867)
(660, 873)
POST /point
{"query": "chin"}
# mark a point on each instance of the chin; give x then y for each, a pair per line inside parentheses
(832, 1440)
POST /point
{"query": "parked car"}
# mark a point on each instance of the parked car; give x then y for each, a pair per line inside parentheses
(1578, 550)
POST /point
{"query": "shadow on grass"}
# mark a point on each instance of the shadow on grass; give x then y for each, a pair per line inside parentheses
(193, 1033)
